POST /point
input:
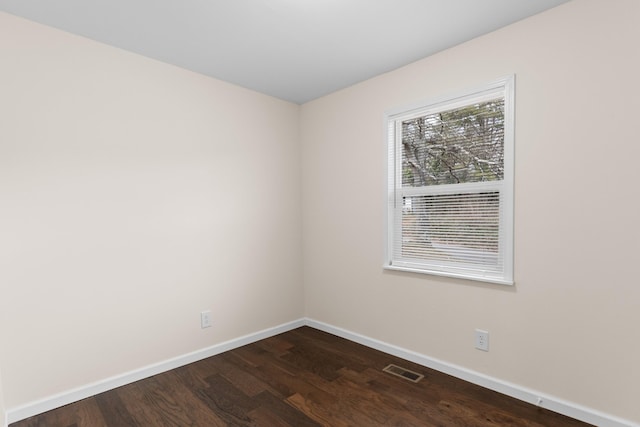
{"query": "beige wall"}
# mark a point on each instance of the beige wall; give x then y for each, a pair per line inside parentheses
(569, 326)
(3, 417)
(135, 194)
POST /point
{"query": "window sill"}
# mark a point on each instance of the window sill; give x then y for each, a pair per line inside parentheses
(485, 279)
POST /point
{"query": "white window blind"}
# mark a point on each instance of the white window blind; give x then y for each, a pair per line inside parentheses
(450, 186)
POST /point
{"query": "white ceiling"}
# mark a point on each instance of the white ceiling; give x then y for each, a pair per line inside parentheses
(297, 50)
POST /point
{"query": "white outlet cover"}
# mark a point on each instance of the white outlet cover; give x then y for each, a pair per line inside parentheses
(482, 340)
(205, 319)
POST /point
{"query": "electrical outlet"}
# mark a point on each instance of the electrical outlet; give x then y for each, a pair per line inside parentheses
(205, 319)
(482, 340)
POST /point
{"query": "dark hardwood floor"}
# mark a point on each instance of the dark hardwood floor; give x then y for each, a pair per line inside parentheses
(304, 377)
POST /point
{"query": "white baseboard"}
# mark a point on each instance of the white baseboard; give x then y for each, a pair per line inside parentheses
(554, 404)
(522, 393)
(61, 399)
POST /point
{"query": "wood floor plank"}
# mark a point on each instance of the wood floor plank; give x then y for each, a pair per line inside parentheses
(193, 375)
(241, 378)
(302, 378)
(399, 409)
(228, 402)
(148, 405)
(282, 377)
(114, 410)
(277, 345)
(165, 401)
(263, 417)
(324, 415)
(336, 353)
(401, 396)
(485, 417)
(284, 411)
(88, 413)
(313, 361)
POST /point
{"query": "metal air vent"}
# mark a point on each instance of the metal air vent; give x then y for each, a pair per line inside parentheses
(403, 373)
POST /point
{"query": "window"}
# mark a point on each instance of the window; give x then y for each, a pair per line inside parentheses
(450, 186)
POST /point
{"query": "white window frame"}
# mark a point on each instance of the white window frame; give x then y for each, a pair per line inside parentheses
(395, 192)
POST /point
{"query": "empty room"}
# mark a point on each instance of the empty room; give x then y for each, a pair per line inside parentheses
(241, 212)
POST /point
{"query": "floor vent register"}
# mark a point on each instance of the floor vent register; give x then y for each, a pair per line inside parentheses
(403, 373)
